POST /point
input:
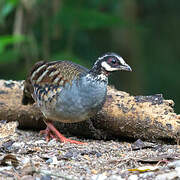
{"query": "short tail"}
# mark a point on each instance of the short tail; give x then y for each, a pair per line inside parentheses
(27, 97)
(28, 87)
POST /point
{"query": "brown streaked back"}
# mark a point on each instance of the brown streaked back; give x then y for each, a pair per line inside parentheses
(56, 73)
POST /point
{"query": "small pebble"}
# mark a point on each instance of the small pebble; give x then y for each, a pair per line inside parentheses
(52, 142)
(25, 160)
(27, 177)
(177, 169)
(18, 145)
(115, 177)
(99, 177)
(174, 164)
(5, 168)
(40, 142)
(146, 175)
(46, 177)
(167, 176)
(52, 160)
(133, 177)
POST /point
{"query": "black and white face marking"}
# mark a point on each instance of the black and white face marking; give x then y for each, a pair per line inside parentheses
(113, 62)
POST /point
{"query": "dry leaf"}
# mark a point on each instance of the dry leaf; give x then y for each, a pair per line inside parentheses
(9, 159)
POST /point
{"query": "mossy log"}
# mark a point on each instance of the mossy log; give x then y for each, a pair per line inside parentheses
(123, 116)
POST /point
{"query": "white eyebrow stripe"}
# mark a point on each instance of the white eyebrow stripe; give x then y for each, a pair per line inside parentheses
(103, 56)
(107, 67)
(121, 60)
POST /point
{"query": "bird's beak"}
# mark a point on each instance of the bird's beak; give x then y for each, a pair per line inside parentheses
(125, 67)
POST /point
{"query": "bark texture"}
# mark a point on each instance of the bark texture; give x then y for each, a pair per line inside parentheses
(123, 116)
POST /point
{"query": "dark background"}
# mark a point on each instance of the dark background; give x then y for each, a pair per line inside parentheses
(144, 32)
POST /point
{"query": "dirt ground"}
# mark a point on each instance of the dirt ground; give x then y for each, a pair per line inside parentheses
(26, 155)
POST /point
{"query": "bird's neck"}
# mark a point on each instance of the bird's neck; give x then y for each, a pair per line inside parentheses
(97, 75)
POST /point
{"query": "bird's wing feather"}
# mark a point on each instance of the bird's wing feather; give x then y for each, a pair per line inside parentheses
(56, 73)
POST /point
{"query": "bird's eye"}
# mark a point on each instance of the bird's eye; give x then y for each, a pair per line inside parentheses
(113, 61)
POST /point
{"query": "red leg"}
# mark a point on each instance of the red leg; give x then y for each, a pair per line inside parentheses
(48, 134)
(52, 132)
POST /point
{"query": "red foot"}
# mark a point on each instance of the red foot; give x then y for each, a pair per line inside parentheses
(48, 133)
(51, 132)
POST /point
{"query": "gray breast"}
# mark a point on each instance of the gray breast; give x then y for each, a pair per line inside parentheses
(79, 101)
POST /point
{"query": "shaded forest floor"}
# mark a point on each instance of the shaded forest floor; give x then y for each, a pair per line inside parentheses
(26, 155)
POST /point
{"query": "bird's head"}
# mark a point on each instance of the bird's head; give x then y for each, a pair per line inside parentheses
(110, 62)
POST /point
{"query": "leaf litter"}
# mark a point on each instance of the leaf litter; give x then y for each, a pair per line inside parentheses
(26, 155)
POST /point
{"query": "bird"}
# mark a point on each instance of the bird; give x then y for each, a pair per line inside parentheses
(68, 92)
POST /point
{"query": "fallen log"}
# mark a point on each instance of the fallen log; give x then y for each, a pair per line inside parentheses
(123, 116)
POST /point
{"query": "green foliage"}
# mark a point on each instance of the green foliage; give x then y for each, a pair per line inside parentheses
(7, 51)
(9, 40)
(6, 7)
(86, 19)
